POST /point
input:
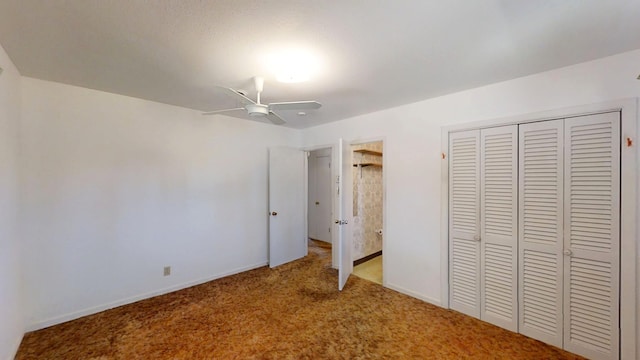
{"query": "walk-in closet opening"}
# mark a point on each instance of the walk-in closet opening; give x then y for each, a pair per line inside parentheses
(368, 232)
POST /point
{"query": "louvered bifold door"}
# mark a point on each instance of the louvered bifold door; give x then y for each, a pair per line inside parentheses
(499, 226)
(464, 222)
(540, 230)
(592, 233)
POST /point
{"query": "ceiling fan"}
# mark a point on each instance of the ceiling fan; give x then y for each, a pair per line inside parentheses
(257, 109)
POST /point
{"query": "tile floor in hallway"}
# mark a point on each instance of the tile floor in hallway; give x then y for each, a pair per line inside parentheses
(370, 270)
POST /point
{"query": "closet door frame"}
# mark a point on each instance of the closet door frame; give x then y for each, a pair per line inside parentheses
(628, 194)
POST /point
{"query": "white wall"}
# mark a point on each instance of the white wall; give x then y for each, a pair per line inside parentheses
(115, 188)
(412, 152)
(11, 312)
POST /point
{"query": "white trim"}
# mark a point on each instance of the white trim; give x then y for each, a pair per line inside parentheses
(628, 231)
(573, 111)
(444, 219)
(96, 309)
(305, 174)
(629, 178)
(14, 348)
(414, 294)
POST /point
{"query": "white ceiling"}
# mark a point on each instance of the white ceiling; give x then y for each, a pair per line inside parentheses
(377, 54)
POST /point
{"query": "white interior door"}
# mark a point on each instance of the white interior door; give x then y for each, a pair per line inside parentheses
(287, 205)
(320, 202)
(344, 210)
(540, 229)
(464, 222)
(499, 226)
(592, 235)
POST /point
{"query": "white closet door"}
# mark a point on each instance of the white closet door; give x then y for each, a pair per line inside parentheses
(541, 230)
(592, 235)
(499, 226)
(464, 222)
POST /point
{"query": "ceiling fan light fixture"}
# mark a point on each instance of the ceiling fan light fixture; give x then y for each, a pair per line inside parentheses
(293, 65)
(257, 110)
(292, 77)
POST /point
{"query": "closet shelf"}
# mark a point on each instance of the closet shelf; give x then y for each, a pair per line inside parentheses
(367, 164)
(368, 152)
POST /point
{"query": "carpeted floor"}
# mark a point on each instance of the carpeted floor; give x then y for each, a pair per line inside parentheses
(292, 312)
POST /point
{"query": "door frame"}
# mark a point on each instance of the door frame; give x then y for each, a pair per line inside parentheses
(628, 195)
(310, 191)
(383, 140)
(358, 141)
(270, 205)
(334, 234)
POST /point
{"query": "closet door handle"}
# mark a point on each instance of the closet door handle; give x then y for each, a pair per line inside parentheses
(568, 252)
(476, 237)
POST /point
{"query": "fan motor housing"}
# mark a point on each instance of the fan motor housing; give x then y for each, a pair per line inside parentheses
(257, 109)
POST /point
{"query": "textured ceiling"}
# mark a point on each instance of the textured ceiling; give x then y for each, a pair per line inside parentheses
(376, 54)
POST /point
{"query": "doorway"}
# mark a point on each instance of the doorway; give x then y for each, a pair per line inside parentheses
(367, 210)
(320, 199)
(319, 204)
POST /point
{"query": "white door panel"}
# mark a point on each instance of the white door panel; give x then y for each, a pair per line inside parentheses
(541, 230)
(591, 235)
(344, 193)
(499, 226)
(464, 222)
(287, 205)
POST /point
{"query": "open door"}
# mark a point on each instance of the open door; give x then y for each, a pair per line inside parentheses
(287, 205)
(344, 210)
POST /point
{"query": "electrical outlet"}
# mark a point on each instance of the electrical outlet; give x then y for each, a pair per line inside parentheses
(167, 270)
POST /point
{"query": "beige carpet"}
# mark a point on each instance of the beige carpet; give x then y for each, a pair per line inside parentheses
(292, 312)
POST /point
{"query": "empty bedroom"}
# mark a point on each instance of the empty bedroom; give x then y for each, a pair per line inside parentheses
(360, 179)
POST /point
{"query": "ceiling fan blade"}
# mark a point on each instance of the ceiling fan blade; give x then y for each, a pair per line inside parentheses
(221, 111)
(295, 105)
(237, 95)
(274, 118)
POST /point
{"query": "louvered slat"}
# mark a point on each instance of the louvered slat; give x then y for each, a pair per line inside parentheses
(592, 198)
(498, 283)
(464, 222)
(499, 226)
(540, 292)
(540, 228)
(590, 321)
(465, 263)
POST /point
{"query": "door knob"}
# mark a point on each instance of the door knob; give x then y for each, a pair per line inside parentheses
(568, 252)
(337, 221)
(274, 213)
(476, 237)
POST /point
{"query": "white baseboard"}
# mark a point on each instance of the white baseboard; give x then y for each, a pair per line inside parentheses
(414, 294)
(15, 347)
(96, 309)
